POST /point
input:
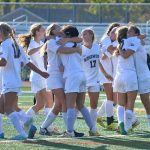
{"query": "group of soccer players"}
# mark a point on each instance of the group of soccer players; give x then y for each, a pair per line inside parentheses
(75, 64)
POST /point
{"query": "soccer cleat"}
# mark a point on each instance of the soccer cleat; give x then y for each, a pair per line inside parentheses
(19, 138)
(78, 134)
(44, 131)
(135, 123)
(32, 132)
(28, 124)
(67, 135)
(100, 122)
(122, 129)
(91, 133)
(53, 130)
(112, 127)
(2, 136)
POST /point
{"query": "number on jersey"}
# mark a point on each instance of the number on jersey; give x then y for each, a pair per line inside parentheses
(93, 63)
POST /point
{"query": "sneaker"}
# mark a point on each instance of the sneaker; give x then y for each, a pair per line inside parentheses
(67, 135)
(2, 136)
(135, 123)
(78, 134)
(44, 131)
(100, 122)
(91, 133)
(32, 132)
(112, 127)
(53, 130)
(122, 129)
(19, 138)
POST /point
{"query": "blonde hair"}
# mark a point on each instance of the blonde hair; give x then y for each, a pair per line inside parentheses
(26, 38)
(7, 32)
(50, 28)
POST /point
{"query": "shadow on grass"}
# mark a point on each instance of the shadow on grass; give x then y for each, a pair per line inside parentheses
(115, 141)
(64, 144)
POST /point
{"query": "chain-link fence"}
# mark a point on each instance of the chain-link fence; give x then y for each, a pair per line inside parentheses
(77, 12)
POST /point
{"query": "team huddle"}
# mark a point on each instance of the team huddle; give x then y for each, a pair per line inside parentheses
(68, 66)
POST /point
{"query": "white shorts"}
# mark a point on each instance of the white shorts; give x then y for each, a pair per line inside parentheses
(144, 86)
(75, 83)
(55, 82)
(95, 88)
(16, 90)
(107, 65)
(38, 85)
(125, 82)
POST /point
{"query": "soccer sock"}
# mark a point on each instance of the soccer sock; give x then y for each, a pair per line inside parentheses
(128, 119)
(101, 111)
(109, 111)
(64, 115)
(30, 112)
(120, 113)
(47, 110)
(16, 122)
(134, 118)
(109, 108)
(86, 115)
(93, 114)
(49, 120)
(148, 118)
(23, 116)
(1, 124)
(71, 117)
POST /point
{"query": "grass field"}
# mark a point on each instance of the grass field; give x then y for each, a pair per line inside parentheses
(140, 139)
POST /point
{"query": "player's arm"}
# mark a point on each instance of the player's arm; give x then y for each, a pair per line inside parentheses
(62, 41)
(69, 50)
(126, 53)
(109, 77)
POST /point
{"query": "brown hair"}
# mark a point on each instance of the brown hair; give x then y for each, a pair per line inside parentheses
(111, 26)
(50, 28)
(26, 38)
(7, 32)
(90, 31)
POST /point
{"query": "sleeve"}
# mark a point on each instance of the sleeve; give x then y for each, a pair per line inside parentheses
(105, 43)
(23, 56)
(134, 44)
(52, 46)
(4, 52)
(32, 45)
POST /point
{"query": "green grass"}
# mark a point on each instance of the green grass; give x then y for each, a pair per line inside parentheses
(109, 140)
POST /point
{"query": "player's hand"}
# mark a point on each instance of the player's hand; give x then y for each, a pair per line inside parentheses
(104, 56)
(109, 77)
(62, 41)
(45, 75)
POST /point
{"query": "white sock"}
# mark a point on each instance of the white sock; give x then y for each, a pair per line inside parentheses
(49, 120)
(148, 118)
(47, 110)
(120, 113)
(1, 124)
(64, 115)
(30, 112)
(109, 108)
(93, 114)
(134, 119)
(23, 116)
(16, 122)
(101, 111)
(128, 119)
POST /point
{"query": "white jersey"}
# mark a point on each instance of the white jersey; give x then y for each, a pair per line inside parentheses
(54, 60)
(37, 59)
(90, 59)
(140, 59)
(11, 73)
(126, 63)
(72, 62)
(0, 71)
